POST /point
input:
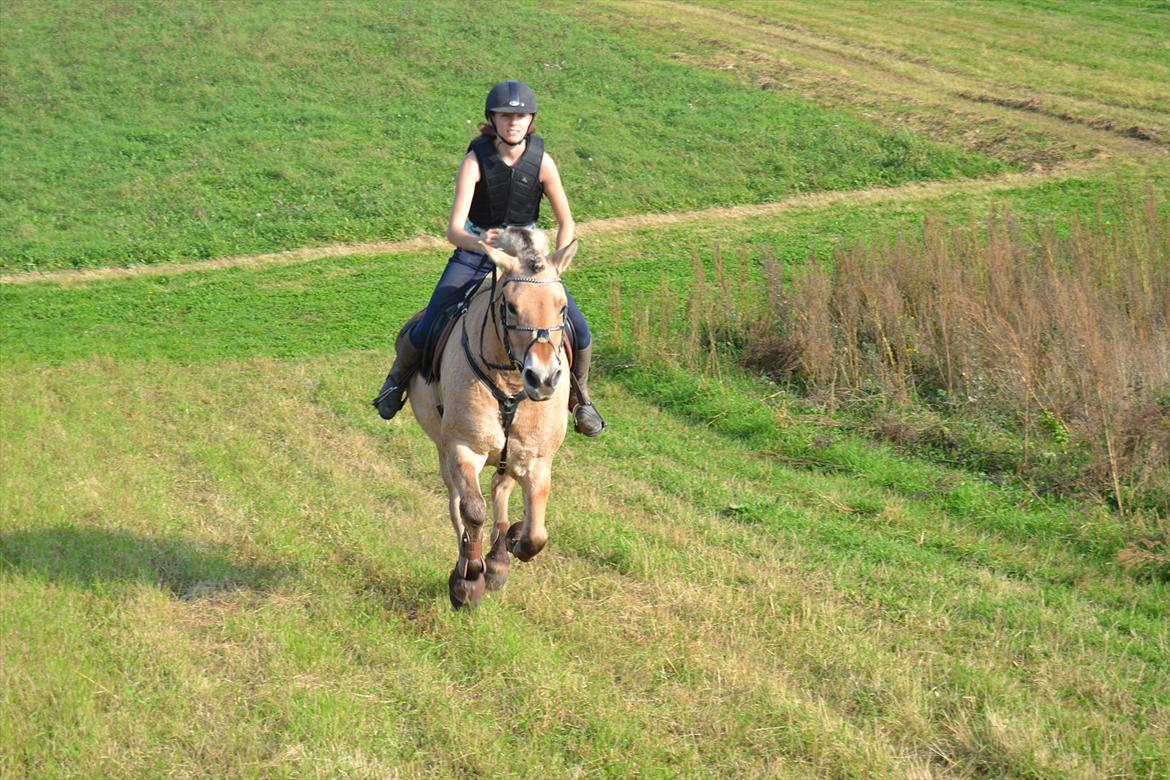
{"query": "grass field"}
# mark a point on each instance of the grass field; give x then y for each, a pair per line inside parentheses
(215, 560)
(134, 140)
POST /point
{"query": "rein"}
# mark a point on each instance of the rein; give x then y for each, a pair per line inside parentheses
(508, 403)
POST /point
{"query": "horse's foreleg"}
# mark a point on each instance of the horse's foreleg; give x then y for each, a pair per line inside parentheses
(498, 560)
(468, 514)
(527, 539)
(452, 498)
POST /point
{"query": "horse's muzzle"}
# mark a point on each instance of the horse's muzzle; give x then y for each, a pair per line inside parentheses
(540, 381)
(539, 388)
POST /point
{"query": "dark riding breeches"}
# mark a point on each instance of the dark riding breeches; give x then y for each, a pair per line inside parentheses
(465, 270)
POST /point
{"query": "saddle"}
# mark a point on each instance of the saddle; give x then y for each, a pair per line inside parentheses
(432, 349)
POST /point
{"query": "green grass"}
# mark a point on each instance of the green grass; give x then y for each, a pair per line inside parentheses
(206, 524)
(269, 564)
(146, 132)
(215, 560)
(359, 302)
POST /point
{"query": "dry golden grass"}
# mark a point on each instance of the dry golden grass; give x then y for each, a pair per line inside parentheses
(1067, 337)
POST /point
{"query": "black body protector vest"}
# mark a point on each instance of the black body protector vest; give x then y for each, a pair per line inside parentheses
(506, 195)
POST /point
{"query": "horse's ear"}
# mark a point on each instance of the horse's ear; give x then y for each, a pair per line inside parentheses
(504, 261)
(561, 258)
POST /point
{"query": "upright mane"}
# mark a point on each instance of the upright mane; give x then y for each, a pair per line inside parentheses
(530, 246)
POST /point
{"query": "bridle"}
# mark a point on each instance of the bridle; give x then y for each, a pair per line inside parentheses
(508, 403)
(502, 324)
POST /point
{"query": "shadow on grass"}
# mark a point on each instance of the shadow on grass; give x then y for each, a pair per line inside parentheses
(91, 557)
(410, 592)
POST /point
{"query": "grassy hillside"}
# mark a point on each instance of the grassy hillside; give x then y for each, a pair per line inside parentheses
(359, 302)
(206, 523)
(144, 132)
(215, 560)
(234, 568)
(1033, 83)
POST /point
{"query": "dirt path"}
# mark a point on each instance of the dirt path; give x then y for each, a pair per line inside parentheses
(905, 193)
(863, 77)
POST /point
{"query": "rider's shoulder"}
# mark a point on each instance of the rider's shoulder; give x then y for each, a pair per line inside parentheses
(469, 166)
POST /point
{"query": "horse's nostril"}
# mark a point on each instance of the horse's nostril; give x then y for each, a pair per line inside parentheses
(530, 378)
(556, 378)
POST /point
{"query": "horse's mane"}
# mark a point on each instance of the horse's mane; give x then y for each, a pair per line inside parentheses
(530, 246)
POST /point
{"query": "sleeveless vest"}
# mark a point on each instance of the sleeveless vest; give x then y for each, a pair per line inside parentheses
(506, 195)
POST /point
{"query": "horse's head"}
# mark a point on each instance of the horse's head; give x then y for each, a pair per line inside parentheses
(533, 307)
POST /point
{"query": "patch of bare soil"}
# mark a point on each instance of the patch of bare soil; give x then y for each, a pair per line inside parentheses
(1144, 134)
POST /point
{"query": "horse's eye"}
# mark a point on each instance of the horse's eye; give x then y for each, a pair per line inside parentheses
(511, 309)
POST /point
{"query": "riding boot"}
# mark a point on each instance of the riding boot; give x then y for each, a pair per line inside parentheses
(587, 419)
(391, 397)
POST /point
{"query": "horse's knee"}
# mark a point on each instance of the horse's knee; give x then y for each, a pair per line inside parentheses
(473, 510)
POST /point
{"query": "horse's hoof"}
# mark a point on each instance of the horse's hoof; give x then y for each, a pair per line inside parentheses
(496, 580)
(465, 593)
(514, 532)
(498, 564)
(525, 550)
(522, 547)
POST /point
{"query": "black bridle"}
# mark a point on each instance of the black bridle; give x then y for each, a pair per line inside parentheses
(508, 403)
(500, 304)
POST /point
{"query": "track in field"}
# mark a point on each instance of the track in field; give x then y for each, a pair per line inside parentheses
(903, 193)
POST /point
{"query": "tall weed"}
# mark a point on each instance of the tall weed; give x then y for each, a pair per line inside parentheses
(1061, 337)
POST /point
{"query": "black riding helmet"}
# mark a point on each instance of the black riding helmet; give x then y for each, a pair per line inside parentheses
(509, 97)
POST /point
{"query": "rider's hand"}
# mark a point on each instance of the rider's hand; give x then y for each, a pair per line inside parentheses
(489, 236)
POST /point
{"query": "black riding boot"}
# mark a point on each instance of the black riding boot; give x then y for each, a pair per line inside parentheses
(587, 419)
(390, 399)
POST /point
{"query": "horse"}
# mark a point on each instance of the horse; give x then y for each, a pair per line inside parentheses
(501, 399)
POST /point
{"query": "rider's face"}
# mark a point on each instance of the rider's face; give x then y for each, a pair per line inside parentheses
(512, 127)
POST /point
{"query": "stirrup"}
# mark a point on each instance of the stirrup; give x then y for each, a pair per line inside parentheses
(587, 420)
(390, 401)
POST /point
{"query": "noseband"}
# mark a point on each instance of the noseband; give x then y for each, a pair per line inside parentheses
(542, 334)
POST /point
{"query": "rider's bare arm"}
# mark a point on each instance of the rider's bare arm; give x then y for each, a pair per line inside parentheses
(550, 177)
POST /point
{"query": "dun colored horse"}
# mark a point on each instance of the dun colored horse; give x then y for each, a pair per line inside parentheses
(501, 399)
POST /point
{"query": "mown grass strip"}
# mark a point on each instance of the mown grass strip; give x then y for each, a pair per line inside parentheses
(924, 74)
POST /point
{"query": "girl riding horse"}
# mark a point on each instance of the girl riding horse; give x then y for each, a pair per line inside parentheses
(500, 183)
